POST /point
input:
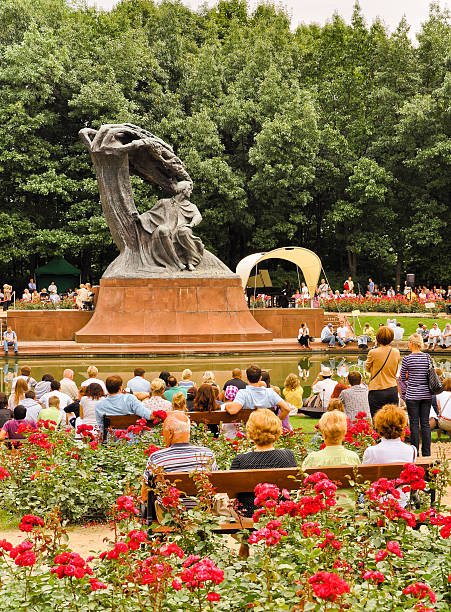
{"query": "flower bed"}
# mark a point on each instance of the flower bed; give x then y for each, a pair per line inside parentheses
(382, 304)
(307, 552)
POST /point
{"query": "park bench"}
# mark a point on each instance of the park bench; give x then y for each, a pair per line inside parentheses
(233, 482)
(122, 421)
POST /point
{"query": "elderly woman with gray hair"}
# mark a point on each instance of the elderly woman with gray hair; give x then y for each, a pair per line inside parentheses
(156, 401)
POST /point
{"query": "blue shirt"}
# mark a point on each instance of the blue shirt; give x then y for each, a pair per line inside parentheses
(371, 287)
(257, 397)
(138, 384)
(121, 403)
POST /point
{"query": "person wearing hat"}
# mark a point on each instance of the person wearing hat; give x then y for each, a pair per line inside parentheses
(327, 336)
(324, 386)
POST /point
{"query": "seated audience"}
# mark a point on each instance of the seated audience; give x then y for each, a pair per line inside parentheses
(444, 406)
(179, 402)
(255, 396)
(92, 378)
(5, 413)
(355, 399)
(173, 389)
(32, 407)
(264, 429)
(333, 426)
(229, 430)
(156, 401)
(43, 386)
(55, 387)
(324, 386)
(19, 393)
(293, 391)
(339, 387)
(138, 384)
(25, 373)
(68, 385)
(52, 412)
(205, 400)
(179, 455)
(186, 381)
(190, 395)
(368, 335)
(335, 404)
(11, 427)
(398, 331)
(164, 375)
(117, 402)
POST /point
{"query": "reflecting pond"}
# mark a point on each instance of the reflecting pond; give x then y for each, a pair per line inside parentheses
(306, 365)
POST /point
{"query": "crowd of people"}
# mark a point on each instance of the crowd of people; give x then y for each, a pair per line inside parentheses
(83, 296)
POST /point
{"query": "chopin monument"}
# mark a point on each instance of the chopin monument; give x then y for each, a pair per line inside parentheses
(164, 286)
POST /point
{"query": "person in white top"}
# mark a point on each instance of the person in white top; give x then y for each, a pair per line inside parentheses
(433, 337)
(444, 406)
(82, 296)
(446, 336)
(92, 374)
(26, 297)
(343, 332)
(390, 421)
(157, 401)
(67, 384)
(18, 394)
(324, 386)
(138, 384)
(25, 373)
(399, 332)
(32, 407)
(88, 402)
(52, 288)
(64, 400)
(305, 292)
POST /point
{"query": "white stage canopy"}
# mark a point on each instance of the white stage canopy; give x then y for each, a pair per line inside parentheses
(306, 260)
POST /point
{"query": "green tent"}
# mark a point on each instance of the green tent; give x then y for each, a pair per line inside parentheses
(65, 275)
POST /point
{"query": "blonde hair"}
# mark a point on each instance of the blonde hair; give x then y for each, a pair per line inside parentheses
(54, 400)
(179, 401)
(208, 378)
(417, 341)
(335, 404)
(333, 425)
(186, 374)
(292, 382)
(263, 427)
(92, 371)
(157, 385)
(20, 389)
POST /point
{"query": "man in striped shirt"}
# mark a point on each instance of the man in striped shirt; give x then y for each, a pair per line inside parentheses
(180, 455)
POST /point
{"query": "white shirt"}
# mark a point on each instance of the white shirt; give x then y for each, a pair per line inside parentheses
(138, 384)
(87, 382)
(64, 399)
(399, 333)
(343, 331)
(325, 389)
(69, 388)
(305, 293)
(31, 381)
(434, 332)
(444, 402)
(53, 289)
(303, 331)
(88, 404)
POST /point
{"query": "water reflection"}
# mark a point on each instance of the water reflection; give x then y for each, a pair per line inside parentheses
(306, 366)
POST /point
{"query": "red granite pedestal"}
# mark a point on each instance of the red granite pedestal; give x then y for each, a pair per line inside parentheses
(160, 310)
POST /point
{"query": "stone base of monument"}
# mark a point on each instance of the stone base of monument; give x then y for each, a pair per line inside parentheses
(165, 310)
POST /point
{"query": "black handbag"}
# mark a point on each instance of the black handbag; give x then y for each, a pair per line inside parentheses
(434, 382)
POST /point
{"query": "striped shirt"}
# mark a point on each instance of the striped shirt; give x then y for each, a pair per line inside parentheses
(413, 378)
(181, 457)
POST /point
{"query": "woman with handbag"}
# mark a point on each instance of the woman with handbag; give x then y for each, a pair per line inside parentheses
(414, 387)
(382, 364)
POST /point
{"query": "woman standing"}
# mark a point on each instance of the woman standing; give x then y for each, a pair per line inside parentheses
(382, 364)
(414, 387)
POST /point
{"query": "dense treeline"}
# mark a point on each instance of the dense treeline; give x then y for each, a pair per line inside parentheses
(336, 138)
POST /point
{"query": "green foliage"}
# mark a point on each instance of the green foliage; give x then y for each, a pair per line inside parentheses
(335, 138)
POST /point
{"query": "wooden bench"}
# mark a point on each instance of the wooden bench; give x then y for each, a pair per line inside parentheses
(122, 421)
(233, 482)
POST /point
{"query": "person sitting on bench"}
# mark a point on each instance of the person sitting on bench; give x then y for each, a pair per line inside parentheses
(178, 456)
(117, 402)
(264, 429)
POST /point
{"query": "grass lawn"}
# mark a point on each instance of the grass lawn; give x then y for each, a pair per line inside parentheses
(409, 324)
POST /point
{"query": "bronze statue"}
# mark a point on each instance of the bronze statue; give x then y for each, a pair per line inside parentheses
(160, 242)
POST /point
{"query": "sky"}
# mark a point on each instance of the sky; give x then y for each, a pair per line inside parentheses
(307, 11)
